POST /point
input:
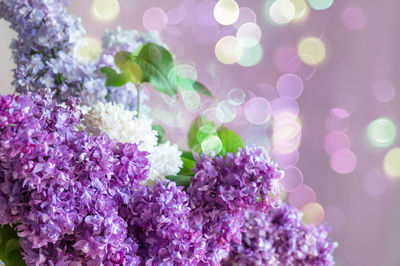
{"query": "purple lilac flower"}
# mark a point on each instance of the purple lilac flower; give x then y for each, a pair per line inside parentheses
(46, 33)
(279, 237)
(42, 52)
(158, 218)
(63, 187)
(222, 189)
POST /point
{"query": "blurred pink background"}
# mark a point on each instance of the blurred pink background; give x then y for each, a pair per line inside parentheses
(361, 48)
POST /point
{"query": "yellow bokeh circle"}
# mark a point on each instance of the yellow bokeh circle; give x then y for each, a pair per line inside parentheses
(88, 49)
(311, 50)
(105, 10)
(226, 12)
(282, 11)
(301, 10)
(391, 163)
(313, 213)
(228, 50)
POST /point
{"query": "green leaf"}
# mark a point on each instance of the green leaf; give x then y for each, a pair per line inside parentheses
(108, 71)
(193, 143)
(121, 58)
(189, 84)
(10, 250)
(134, 71)
(195, 135)
(160, 133)
(115, 79)
(12, 245)
(180, 180)
(157, 65)
(231, 141)
(125, 61)
(187, 167)
(187, 155)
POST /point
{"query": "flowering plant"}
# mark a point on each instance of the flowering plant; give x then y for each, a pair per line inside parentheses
(87, 180)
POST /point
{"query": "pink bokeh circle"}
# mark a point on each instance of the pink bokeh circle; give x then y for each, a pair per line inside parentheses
(155, 19)
(257, 110)
(336, 140)
(293, 179)
(354, 18)
(343, 161)
(290, 85)
(301, 196)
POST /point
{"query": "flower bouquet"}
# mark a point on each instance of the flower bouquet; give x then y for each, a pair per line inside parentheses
(86, 178)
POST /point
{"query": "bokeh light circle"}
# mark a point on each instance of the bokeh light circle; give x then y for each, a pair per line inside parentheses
(354, 18)
(236, 96)
(286, 135)
(215, 115)
(176, 16)
(185, 71)
(191, 99)
(391, 163)
(251, 56)
(285, 105)
(228, 50)
(290, 85)
(383, 90)
(336, 140)
(229, 111)
(340, 113)
(381, 132)
(293, 179)
(337, 120)
(286, 159)
(88, 49)
(311, 50)
(301, 196)
(282, 11)
(313, 213)
(155, 19)
(249, 35)
(301, 9)
(204, 132)
(226, 12)
(105, 10)
(211, 144)
(343, 161)
(245, 15)
(257, 110)
(320, 4)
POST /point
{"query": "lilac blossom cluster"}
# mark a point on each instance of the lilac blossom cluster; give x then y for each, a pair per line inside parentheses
(222, 189)
(279, 237)
(158, 217)
(63, 187)
(44, 58)
(77, 199)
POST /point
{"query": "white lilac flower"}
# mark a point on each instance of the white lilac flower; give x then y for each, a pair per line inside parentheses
(121, 125)
(165, 160)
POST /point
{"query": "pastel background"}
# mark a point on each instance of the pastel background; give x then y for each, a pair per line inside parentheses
(315, 82)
